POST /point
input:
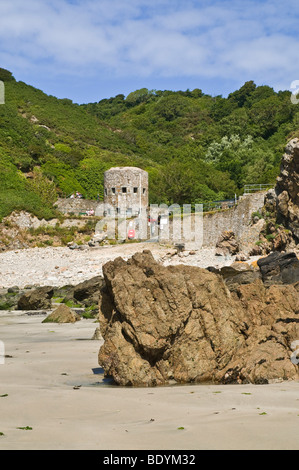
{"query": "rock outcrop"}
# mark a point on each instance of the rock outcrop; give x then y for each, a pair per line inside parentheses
(287, 188)
(283, 201)
(279, 268)
(227, 244)
(280, 212)
(183, 324)
(88, 291)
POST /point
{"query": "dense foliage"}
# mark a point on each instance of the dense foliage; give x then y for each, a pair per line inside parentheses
(195, 147)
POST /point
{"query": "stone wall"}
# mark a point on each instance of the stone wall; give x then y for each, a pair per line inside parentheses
(79, 206)
(237, 219)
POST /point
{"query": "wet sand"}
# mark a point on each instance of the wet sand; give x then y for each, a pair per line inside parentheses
(51, 382)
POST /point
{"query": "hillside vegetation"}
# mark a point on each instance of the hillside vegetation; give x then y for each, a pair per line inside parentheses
(195, 147)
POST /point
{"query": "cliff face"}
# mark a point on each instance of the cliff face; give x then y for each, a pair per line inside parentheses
(287, 189)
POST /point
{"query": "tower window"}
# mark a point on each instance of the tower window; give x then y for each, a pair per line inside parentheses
(113, 190)
(124, 189)
(144, 190)
(135, 190)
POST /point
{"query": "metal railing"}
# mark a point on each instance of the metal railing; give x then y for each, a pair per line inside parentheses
(219, 205)
(254, 188)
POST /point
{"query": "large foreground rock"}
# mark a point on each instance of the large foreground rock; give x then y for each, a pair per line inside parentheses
(182, 323)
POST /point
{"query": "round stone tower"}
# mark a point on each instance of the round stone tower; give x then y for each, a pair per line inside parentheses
(125, 191)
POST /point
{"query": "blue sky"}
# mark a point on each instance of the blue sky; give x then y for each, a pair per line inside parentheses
(94, 49)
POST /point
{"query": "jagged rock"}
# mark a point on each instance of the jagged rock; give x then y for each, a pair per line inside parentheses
(97, 334)
(287, 189)
(236, 274)
(9, 298)
(65, 292)
(279, 268)
(270, 202)
(264, 247)
(182, 323)
(62, 314)
(227, 244)
(281, 241)
(270, 327)
(242, 257)
(7, 302)
(256, 250)
(89, 290)
(281, 204)
(36, 299)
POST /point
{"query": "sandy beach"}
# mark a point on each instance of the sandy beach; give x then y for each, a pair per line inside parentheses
(53, 395)
(51, 382)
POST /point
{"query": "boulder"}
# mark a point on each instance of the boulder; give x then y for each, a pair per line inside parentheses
(88, 291)
(164, 324)
(279, 268)
(227, 244)
(36, 299)
(270, 202)
(9, 298)
(62, 314)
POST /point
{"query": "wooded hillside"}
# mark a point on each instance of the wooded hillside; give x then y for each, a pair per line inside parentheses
(195, 147)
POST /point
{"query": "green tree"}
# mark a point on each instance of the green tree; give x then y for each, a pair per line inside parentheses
(138, 96)
(172, 106)
(43, 187)
(6, 75)
(269, 113)
(242, 95)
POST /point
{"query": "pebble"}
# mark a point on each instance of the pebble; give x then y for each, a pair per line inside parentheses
(58, 266)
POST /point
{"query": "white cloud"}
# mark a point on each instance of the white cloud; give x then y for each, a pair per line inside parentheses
(225, 39)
